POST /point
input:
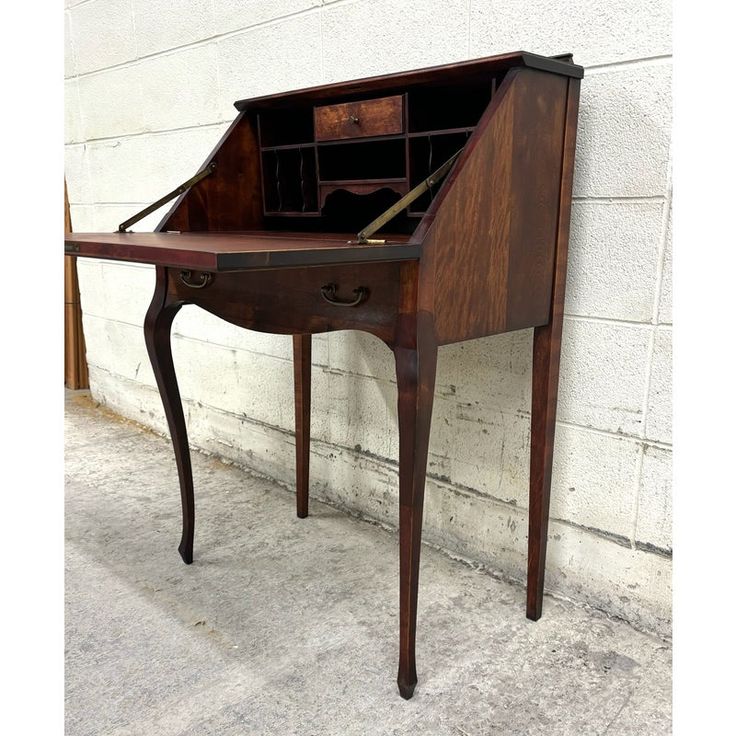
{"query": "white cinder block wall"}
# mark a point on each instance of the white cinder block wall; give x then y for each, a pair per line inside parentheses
(149, 90)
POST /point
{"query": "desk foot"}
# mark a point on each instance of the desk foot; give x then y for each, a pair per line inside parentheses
(157, 331)
(302, 416)
(406, 687)
(186, 551)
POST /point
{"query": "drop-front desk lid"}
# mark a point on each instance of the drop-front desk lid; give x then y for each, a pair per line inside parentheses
(217, 252)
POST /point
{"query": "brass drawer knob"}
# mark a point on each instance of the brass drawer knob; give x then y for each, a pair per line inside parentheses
(353, 119)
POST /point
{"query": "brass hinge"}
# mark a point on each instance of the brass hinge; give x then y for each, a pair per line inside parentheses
(364, 236)
(123, 227)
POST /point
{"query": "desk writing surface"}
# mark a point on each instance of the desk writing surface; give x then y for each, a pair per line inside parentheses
(218, 252)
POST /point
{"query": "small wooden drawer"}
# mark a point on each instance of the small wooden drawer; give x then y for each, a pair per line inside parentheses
(382, 116)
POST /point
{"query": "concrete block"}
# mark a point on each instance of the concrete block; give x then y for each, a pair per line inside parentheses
(624, 132)
(361, 354)
(631, 584)
(83, 219)
(654, 518)
(659, 411)
(367, 38)
(247, 384)
(198, 324)
(109, 216)
(489, 374)
(665, 294)
(179, 89)
(117, 348)
(162, 25)
(355, 481)
(613, 262)
(357, 411)
(480, 432)
(603, 375)
(111, 102)
(488, 456)
(76, 171)
(594, 32)
(280, 56)
(102, 34)
(595, 481)
(89, 271)
(201, 325)
(144, 168)
(130, 399)
(176, 90)
(70, 65)
(116, 291)
(73, 132)
(233, 16)
(265, 449)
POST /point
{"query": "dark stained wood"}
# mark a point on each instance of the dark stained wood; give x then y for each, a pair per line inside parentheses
(302, 413)
(217, 252)
(400, 186)
(448, 74)
(489, 246)
(539, 127)
(484, 252)
(545, 376)
(289, 301)
(382, 116)
(230, 197)
(415, 377)
(157, 332)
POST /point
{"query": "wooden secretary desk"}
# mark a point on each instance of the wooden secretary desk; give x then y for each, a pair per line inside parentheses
(425, 207)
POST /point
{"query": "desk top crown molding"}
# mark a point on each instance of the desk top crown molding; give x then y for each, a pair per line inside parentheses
(445, 73)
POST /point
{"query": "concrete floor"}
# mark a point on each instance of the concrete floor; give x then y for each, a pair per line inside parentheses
(287, 626)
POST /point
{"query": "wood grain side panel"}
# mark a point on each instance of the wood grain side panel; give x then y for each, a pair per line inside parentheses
(467, 242)
(489, 248)
(230, 197)
(539, 122)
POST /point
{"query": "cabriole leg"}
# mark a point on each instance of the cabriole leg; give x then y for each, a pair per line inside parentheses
(157, 330)
(302, 409)
(415, 373)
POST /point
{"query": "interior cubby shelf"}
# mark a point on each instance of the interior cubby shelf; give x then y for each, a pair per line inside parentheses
(362, 155)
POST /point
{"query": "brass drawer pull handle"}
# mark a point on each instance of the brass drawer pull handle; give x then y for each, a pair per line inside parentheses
(186, 277)
(329, 294)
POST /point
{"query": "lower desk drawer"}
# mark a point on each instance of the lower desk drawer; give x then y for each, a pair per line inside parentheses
(306, 300)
